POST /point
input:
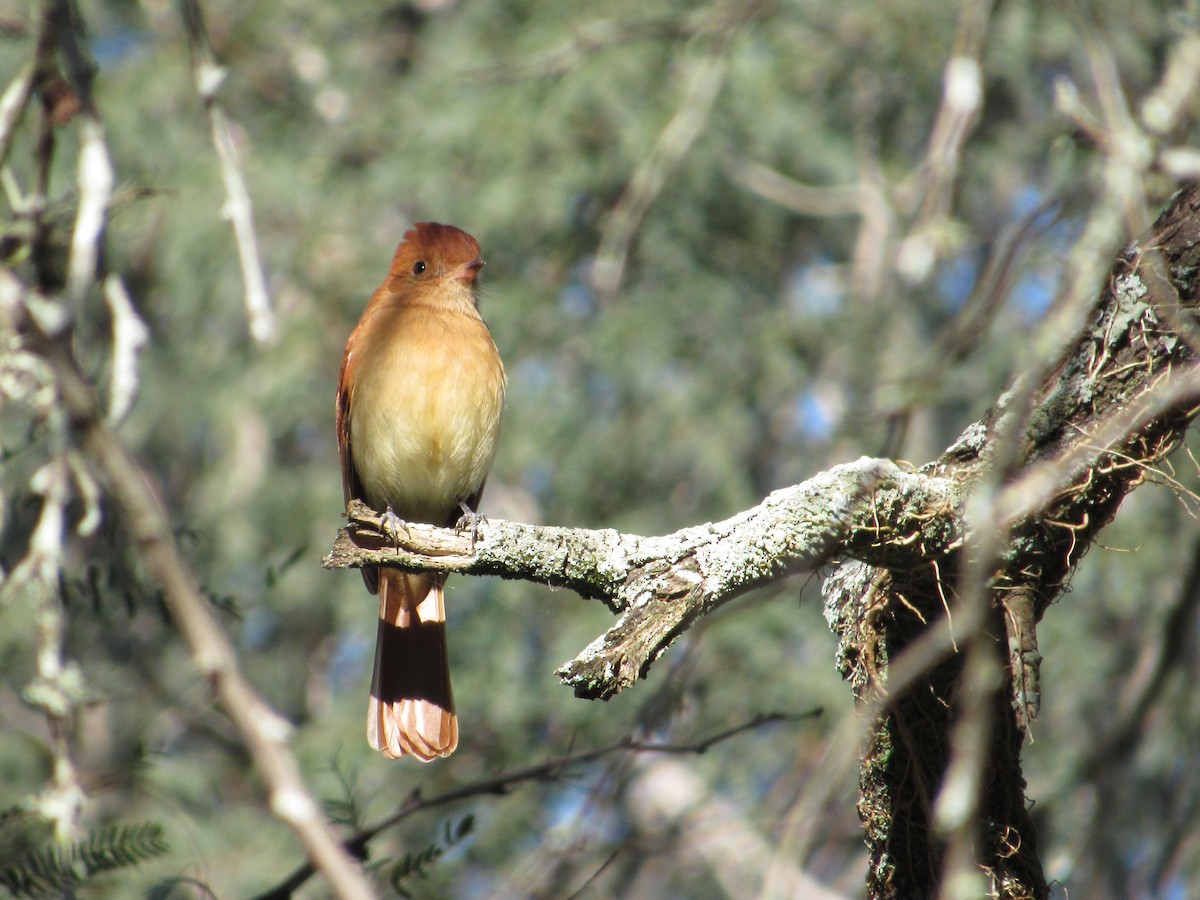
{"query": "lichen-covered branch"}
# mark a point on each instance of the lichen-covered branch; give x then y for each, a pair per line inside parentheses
(660, 585)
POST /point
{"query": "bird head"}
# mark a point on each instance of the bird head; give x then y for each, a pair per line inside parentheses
(433, 254)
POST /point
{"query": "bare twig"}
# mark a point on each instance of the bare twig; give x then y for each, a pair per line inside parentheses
(129, 336)
(804, 199)
(59, 37)
(265, 732)
(95, 190)
(209, 77)
(549, 770)
(1144, 686)
(962, 100)
(12, 106)
(672, 798)
(1029, 493)
(58, 689)
(1163, 106)
(703, 83)
(45, 70)
(594, 37)
(865, 199)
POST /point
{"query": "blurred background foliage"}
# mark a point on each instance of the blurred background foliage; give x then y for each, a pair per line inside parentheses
(739, 355)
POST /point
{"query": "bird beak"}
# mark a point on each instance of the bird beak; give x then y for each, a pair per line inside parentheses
(470, 271)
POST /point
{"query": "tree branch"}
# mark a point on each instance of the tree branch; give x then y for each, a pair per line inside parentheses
(238, 209)
(265, 733)
(505, 782)
(660, 585)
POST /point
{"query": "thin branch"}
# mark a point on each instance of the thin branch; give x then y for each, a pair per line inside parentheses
(548, 770)
(58, 688)
(962, 101)
(965, 331)
(129, 337)
(95, 178)
(13, 104)
(1148, 676)
(866, 199)
(670, 800)
(265, 732)
(45, 71)
(802, 199)
(1029, 494)
(701, 87)
(238, 209)
(95, 191)
(1163, 106)
(595, 37)
(584, 889)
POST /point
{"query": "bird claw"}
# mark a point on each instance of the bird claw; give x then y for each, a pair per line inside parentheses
(469, 519)
(392, 526)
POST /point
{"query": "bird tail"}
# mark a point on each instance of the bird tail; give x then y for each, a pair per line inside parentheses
(412, 707)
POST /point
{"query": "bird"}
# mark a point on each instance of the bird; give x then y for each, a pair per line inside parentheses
(420, 399)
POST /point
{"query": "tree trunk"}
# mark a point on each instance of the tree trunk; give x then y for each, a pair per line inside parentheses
(1139, 334)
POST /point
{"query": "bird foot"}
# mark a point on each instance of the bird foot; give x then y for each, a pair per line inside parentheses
(469, 519)
(392, 526)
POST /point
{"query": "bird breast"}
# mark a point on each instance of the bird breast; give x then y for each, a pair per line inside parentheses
(425, 412)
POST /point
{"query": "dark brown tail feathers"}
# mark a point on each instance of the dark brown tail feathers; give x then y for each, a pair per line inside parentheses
(411, 710)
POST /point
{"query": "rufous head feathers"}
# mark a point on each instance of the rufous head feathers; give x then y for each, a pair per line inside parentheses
(431, 251)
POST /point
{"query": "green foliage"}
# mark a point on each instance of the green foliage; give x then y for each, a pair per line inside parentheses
(419, 863)
(62, 870)
(347, 807)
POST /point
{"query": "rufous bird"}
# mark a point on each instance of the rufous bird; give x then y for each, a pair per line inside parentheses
(419, 402)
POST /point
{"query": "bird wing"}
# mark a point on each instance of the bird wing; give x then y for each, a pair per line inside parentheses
(351, 486)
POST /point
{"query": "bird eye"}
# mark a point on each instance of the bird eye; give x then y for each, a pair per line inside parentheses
(419, 267)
